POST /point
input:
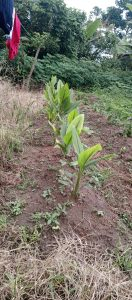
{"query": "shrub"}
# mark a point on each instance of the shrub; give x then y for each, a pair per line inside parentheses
(81, 73)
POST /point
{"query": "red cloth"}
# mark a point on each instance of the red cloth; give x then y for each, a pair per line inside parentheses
(13, 43)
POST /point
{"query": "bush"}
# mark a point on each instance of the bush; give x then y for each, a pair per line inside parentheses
(81, 73)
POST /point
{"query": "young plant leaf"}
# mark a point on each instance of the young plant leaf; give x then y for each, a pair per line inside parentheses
(63, 129)
(87, 154)
(78, 146)
(77, 123)
(95, 161)
(59, 85)
(72, 115)
(68, 138)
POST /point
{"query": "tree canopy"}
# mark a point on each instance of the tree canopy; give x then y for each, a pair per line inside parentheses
(49, 27)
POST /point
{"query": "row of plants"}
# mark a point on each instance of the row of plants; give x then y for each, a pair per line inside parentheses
(67, 124)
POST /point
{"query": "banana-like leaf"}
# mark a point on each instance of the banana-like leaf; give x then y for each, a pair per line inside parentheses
(77, 123)
(72, 106)
(48, 93)
(87, 154)
(78, 146)
(59, 85)
(63, 130)
(68, 138)
(64, 94)
(92, 27)
(53, 82)
(72, 115)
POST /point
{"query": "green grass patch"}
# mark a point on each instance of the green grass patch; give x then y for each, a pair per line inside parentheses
(116, 104)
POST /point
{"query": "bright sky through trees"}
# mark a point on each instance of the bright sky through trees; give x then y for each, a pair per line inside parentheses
(87, 5)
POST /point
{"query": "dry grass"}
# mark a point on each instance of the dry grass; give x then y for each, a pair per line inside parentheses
(17, 108)
(73, 271)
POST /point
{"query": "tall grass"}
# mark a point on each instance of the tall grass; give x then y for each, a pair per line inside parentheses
(16, 110)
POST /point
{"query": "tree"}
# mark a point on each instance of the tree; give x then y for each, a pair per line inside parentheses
(96, 12)
(113, 16)
(38, 41)
(52, 16)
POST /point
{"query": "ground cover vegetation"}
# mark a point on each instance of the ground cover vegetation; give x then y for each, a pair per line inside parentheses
(65, 155)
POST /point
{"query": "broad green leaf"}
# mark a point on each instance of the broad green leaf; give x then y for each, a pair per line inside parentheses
(72, 106)
(49, 94)
(78, 146)
(68, 138)
(72, 115)
(53, 81)
(63, 130)
(77, 123)
(64, 94)
(92, 27)
(87, 154)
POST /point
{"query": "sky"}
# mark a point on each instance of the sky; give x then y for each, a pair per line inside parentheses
(87, 5)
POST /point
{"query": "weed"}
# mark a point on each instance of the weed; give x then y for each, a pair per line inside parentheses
(29, 235)
(123, 150)
(126, 220)
(52, 218)
(37, 216)
(3, 221)
(16, 207)
(26, 182)
(65, 179)
(10, 142)
(124, 260)
(98, 177)
(16, 111)
(116, 104)
(128, 128)
(13, 281)
(47, 194)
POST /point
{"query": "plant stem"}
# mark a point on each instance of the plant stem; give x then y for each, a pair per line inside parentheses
(75, 191)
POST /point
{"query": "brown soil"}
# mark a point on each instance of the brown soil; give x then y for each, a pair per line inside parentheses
(38, 168)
